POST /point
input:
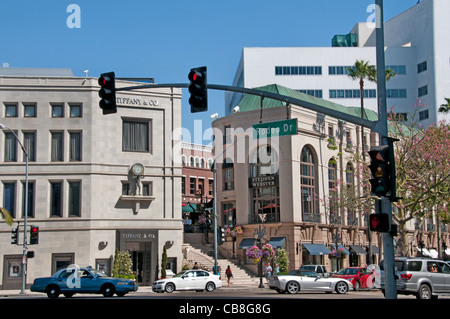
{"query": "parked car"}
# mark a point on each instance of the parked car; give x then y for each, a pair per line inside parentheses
(302, 280)
(197, 280)
(318, 269)
(426, 278)
(360, 277)
(70, 281)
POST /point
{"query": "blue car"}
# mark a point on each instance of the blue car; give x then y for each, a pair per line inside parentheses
(70, 281)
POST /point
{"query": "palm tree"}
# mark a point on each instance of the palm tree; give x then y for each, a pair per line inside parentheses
(5, 214)
(445, 108)
(362, 71)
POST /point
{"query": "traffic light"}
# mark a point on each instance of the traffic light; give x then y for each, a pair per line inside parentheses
(199, 92)
(221, 237)
(34, 235)
(15, 236)
(107, 93)
(379, 223)
(380, 170)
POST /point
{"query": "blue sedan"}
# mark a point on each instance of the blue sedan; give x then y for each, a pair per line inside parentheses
(70, 281)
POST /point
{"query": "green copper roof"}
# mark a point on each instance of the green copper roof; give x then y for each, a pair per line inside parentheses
(253, 102)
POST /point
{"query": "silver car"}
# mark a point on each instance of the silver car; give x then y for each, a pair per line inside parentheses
(299, 280)
(425, 278)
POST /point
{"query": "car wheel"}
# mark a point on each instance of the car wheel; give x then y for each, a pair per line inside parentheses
(52, 291)
(292, 287)
(341, 287)
(424, 292)
(108, 290)
(210, 286)
(170, 287)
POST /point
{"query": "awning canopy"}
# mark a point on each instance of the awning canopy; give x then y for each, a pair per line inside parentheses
(188, 208)
(317, 249)
(247, 243)
(375, 250)
(277, 242)
(356, 249)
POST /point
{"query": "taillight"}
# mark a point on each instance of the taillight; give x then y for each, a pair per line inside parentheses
(405, 276)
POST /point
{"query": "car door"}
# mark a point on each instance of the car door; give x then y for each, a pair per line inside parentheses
(187, 281)
(89, 282)
(309, 281)
(446, 272)
(201, 279)
(436, 276)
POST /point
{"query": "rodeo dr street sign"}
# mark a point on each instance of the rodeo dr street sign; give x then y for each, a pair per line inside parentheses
(280, 128)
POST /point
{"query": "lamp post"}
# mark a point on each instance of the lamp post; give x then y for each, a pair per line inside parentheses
(259, 233)
(25, 217)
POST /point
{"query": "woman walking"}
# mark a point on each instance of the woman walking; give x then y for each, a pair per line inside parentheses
(229, 274)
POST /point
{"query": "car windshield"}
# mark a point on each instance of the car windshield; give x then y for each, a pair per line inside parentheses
(97, 273)
(179, 274)
(303, 273)
(348, 271)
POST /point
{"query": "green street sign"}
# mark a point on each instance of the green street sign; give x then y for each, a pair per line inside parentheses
(280, 128)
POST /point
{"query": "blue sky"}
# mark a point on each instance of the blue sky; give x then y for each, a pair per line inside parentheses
(164, 39)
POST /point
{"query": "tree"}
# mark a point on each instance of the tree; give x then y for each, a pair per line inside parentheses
(422, 159)
(282, 259)
(445, 108)
(164, 262)
(122, 266)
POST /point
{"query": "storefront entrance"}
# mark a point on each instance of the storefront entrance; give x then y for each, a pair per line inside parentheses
(12, 272)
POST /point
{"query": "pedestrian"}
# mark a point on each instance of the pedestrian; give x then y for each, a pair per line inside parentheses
(268, 271)
(195, 266)
(277, 269)
(229, 274)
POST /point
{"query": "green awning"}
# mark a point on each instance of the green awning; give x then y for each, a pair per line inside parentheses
(277, 242)
(189, 208)
(317, 249)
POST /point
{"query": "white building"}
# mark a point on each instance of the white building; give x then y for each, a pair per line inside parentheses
(84, 194)
(416, 48)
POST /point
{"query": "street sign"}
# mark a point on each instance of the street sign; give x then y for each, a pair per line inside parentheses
(280, 128)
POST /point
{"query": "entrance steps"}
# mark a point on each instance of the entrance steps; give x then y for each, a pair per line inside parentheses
(203, 255)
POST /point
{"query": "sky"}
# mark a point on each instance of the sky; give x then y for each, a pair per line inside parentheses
(164, 39)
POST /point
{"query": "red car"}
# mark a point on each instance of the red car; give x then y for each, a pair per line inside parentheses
(360, 277)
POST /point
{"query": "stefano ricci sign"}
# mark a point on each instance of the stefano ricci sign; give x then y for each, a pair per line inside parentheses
(136, 101)
(263, 181)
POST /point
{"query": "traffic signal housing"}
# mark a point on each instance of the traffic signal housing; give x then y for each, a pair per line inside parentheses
(107, 93)
(15, 236)
(380, 170)
(221, 237)
(198, 90)
(379, 223)
(34, 235)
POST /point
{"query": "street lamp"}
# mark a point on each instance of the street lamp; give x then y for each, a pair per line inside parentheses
(25, 217)
(259, 233)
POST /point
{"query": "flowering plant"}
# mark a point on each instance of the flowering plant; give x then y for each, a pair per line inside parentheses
(202, 219)
(238, 230)
(337, 253)
(266, 253)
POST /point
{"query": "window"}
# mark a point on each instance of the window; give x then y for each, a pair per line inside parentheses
(10, 147)
(335, 217)
(396, 93)
(74, 199)
(136, 136)
(29, 139)
(56, 146)
(423, 115)
(308, 186)
(75, 146)
(29, 110)
(55, 199)
(352, 94)
(57, 110)
(9, 197)
(298, 70)
(422, 67)
(315, 93)
(423, 91)
(183, 185)
(10, 110)
(228, 175)
(339, 70)
(147, 188)
(30, 199)
(125, 188)
(75, 110)
(211, 187)
(192, 185)
(399, 69)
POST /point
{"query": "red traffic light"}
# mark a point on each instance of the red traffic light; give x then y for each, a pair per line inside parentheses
(379, 222)
(34, 235)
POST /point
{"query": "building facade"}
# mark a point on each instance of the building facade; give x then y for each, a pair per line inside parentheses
(97, 182)
(288, 184)
(415, 50)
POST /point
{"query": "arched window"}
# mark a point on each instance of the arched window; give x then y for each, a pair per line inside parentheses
(335, 216)
(310, 212)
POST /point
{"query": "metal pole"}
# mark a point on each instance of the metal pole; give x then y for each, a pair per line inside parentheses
(385, 203)
(215, 218)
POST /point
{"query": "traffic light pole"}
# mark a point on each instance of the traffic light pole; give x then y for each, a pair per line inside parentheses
(384, 203)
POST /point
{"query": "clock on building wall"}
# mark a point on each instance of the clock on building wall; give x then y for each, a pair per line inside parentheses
(137, 169)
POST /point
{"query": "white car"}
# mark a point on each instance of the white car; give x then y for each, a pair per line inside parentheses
(197, 280)
(299, 280)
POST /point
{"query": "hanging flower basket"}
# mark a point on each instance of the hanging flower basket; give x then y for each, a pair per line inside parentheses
(238, 230)
(337, 253)
(265, 254)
